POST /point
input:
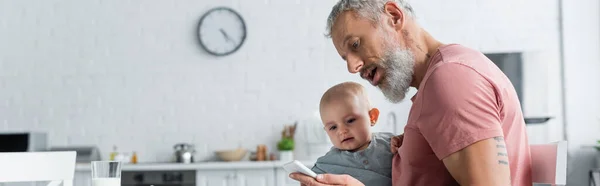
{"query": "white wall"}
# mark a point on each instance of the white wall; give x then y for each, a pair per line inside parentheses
(130, 73)
(581, 22)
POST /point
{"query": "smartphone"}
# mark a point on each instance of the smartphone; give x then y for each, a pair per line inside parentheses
(296, 166)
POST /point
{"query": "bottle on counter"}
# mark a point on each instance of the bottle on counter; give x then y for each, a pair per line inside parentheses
(134, 158)
(114, 153)
(261, 153)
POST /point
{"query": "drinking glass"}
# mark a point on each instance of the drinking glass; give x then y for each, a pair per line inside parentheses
(106, 173)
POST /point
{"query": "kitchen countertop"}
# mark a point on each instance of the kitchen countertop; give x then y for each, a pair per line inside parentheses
(212, 165)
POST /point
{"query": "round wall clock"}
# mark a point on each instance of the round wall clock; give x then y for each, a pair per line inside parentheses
(221, 31)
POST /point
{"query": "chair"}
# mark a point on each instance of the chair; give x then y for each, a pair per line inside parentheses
(549, 163)
(56, 167)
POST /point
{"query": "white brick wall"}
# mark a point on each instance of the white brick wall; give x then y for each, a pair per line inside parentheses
(130, 73)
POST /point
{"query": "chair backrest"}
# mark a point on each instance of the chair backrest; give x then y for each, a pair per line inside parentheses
(38, 166)
(549, 163)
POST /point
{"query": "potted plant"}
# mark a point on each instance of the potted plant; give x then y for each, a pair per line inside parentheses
(286, 144)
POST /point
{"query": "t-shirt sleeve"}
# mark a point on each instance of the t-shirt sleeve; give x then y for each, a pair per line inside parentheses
(460, 107)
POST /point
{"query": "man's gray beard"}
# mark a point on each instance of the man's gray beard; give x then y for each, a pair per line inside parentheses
(398, 65)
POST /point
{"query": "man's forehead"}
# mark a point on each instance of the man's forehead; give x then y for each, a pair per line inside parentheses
(348, 23)
(339, 29)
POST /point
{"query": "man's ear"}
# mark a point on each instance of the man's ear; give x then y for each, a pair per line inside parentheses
(392, 10)
(373, 115)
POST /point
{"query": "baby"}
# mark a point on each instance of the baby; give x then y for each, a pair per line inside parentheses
(347, 116)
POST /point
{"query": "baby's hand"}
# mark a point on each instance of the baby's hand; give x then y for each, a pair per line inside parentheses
(396, 143)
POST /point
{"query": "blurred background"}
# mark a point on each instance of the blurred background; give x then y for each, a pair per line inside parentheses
(131, 79)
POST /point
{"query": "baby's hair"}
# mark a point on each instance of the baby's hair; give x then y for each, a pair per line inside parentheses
(344, 90)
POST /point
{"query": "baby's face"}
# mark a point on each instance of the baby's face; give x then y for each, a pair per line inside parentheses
(347, 123)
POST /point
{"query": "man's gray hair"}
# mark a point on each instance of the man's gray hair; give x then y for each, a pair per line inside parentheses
(370, 9)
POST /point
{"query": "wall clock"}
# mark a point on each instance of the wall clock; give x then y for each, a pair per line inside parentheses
(221, 31)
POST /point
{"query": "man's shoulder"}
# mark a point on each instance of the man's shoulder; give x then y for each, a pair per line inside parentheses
(457, 52)
(455, 55)
(463, 64)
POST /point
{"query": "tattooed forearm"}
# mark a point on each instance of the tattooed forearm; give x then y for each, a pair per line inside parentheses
(501, 151)
(502, 154)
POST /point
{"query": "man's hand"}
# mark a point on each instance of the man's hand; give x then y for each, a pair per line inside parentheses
(482, 163)
(396, 143)
(326, 179)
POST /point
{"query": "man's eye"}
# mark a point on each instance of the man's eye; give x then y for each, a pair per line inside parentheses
(355, 44)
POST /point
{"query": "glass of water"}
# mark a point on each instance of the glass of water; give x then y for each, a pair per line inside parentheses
(106, 173)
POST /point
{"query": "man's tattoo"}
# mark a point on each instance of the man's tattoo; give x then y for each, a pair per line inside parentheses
(409, 40)
(405, 32)
(419, 47)
(501, 150)
(502, 162)
(499, 139)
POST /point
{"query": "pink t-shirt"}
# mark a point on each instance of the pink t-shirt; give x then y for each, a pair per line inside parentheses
(464, 98)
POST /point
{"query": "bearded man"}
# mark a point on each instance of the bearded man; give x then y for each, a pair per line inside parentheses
(465, 126)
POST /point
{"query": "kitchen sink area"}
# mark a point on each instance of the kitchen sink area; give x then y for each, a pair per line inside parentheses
(185, 166)
(242, 173)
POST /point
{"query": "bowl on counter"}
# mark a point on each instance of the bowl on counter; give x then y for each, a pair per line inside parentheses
(231, 155)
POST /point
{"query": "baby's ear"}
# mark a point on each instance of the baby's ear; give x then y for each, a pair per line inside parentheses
(373, 115)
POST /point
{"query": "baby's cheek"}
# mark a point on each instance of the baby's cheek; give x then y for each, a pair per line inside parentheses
(334, 140)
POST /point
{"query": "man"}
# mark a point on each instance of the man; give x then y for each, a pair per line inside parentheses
(465, 126)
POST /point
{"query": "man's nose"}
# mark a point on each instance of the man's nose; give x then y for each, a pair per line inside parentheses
(354, 64)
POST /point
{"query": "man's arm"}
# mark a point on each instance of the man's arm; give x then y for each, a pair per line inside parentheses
(460, 119)
(482, 163)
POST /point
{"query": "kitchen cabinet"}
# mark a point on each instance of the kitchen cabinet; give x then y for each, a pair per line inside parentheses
(263, 177)
(246, 173)
(242, 177)
(215, 178)
(37, 183)
(23, 184)
(82, 178)
(283, 178)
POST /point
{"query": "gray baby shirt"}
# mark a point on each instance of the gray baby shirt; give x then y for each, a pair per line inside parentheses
(371, 166)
